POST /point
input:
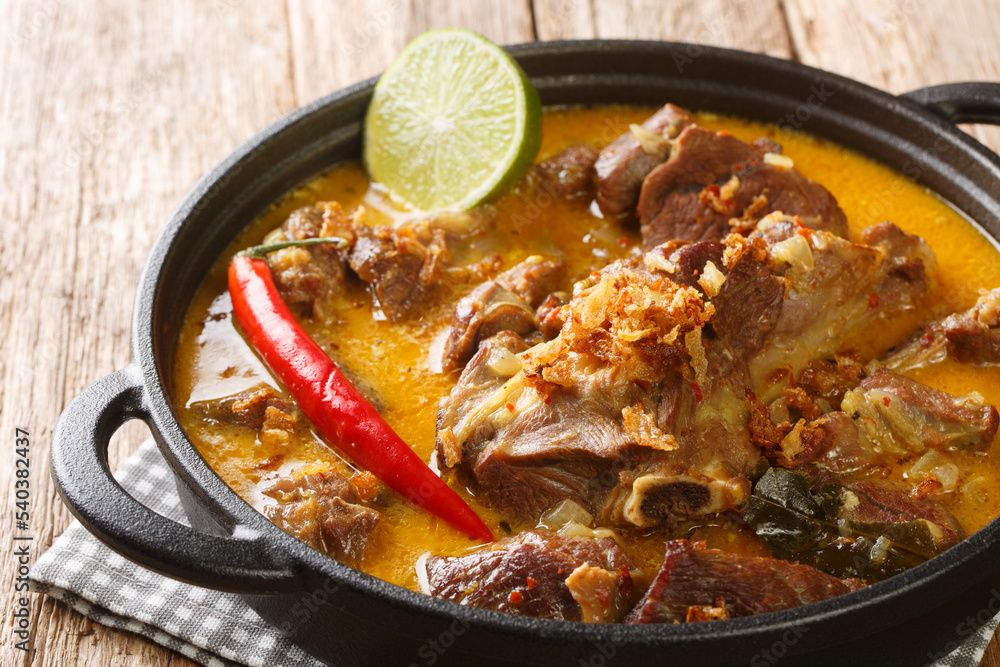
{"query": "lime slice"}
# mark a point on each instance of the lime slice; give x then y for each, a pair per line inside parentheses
(453, 122)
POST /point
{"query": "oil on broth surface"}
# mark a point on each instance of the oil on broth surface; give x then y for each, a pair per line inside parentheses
(398, 360)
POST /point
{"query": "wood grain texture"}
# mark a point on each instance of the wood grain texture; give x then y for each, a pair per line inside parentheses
(113, 109)
(751, 25)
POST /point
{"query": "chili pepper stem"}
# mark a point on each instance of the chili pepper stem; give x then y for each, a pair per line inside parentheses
(261, 251)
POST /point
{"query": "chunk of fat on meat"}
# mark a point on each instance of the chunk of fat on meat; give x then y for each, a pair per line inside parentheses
(840, 290)
(598, 593)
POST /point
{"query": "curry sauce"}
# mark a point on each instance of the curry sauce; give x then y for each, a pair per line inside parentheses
(401, 361)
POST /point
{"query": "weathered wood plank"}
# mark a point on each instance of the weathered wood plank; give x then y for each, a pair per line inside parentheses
(901, 45)
(743, 24)
(112, 110)
(336, 44)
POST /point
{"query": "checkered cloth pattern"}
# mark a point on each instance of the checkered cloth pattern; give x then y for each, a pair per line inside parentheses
(209, 627)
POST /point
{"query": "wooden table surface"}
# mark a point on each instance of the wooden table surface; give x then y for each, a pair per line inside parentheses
(111, 111)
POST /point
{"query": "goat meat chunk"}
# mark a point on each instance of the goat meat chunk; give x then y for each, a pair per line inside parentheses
(835, 289)
(403, 265)
(569, 174)
(971, 337)
(506, 303)
(538, 574)
(322, 510)
(714, 182)
(693, 578)
(247, 408)
(625, 162)
(884, 502)
(901, 416)
(633, 411)
(306, 275)
(974, 336)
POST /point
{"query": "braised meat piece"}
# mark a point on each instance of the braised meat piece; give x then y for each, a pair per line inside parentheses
(525, 450)
(830, 379)
(971, 337)
(549, 314)
(539, 574)
(750, 300)
(869, 529)
(636, 411)
(569, 174)
(506, 303)
(247, 408)
(900, 416)
(625, 162)
(323, 511)
(706, 472)
(307, 274)
(694, 580)
(974, 336)
(883, 502)
(403, 265)
(831, 441)
(835, 288)
(714, 182)
(734, 275)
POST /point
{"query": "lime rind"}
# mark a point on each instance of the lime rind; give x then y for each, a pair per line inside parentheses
(452, 123)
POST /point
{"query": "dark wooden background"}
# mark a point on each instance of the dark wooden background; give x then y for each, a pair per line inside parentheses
(111, 111)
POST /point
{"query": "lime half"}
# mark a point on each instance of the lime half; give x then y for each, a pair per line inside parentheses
(453, 122)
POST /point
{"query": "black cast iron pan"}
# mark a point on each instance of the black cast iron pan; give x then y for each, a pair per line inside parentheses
(349, 618)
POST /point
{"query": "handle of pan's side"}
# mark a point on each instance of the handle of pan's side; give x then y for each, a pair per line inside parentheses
(974, 102)
(241, 562)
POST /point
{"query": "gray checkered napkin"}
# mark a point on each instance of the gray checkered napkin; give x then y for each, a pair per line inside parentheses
(209, 627)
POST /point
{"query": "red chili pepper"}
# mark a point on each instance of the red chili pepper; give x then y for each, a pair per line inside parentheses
(330, 401)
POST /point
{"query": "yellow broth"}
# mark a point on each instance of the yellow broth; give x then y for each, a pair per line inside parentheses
(400, 360)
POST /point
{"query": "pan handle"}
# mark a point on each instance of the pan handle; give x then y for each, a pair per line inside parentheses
(972, 102)
(241, 562)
